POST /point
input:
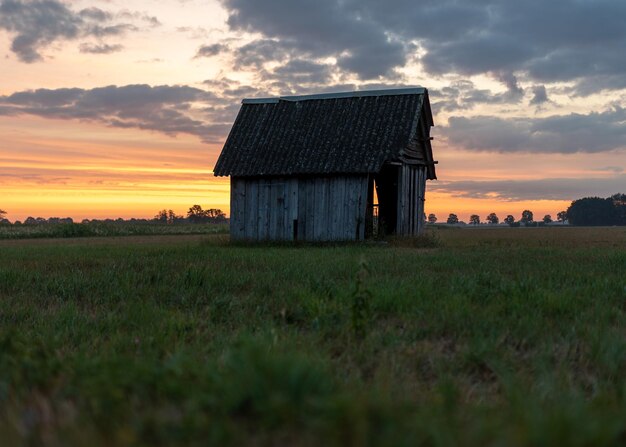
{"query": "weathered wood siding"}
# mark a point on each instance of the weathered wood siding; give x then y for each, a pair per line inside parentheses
(290, 208)
(411, 195)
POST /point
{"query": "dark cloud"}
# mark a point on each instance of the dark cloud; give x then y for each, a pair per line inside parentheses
(167, 109)
(211, 50)
(593, 132)
(540, 189)
(258, 52)
(321, 29)
(99, 49)
(96, 14)
(569, 40)
(35, 24)
(540, 96)
(302, 71)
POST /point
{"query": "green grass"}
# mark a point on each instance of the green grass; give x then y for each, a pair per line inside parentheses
(504, 337)
(105, 229)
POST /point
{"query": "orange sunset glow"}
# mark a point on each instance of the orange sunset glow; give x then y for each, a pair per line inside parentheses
(121, 108)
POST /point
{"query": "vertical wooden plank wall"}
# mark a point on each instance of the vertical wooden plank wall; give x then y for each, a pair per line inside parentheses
(237, 208)
(325, 208)
(252, 210)
(411, 192)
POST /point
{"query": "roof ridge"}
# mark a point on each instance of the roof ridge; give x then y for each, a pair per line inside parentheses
(338, 95)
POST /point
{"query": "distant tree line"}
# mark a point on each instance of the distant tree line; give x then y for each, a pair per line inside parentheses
(593, 211)
(582, 212)
(195, 215)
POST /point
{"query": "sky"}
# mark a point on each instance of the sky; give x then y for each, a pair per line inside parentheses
(118, 108)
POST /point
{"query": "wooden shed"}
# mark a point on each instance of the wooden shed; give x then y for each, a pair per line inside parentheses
(340, 166)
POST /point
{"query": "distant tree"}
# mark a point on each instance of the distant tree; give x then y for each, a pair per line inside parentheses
(509, 220)
(453, 219)
(474, 219)
(30, 221)
(592, 211)
(619, 202)
(161, 216)
(527, 217)
(561, 216)
(167, 216)
(2, 219)
(215, 215)
(493, 219)
(197, 215)
(432, 218)
(547, 219)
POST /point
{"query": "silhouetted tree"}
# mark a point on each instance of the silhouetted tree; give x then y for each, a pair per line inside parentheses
(619, 202)
(167, 216)
(215, 215)
(453, 219)
(547, 219)
(509, 220)
(561, 216)
(196, 215)
(592, 211)
(493, 219)
(2, 213)
(474, 219)
(432, 218)
(527, 217)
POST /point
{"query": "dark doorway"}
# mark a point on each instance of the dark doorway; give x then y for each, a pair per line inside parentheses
(387, 191)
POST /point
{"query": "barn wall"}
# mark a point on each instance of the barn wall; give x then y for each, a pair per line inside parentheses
(411, 195)
(288, 208)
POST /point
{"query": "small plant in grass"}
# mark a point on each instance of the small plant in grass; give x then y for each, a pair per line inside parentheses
(361, 298)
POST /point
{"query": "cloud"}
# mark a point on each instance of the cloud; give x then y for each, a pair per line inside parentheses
(260, 51)
(540, 189)
(544, 42)
(321, 29)
(99, 49)
(615, 169)
(211, 50)
(540, 96)
(593, 132)
(96, 14)
(35, 24)
(302, 71)
(463, 95)
(170, 110)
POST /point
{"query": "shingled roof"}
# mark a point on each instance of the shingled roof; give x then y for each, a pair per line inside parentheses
(339, 133)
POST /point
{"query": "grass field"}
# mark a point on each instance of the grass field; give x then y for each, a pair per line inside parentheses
(500, 337)
(106, 229)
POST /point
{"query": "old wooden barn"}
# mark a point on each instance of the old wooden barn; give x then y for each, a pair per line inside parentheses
(327, 167)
